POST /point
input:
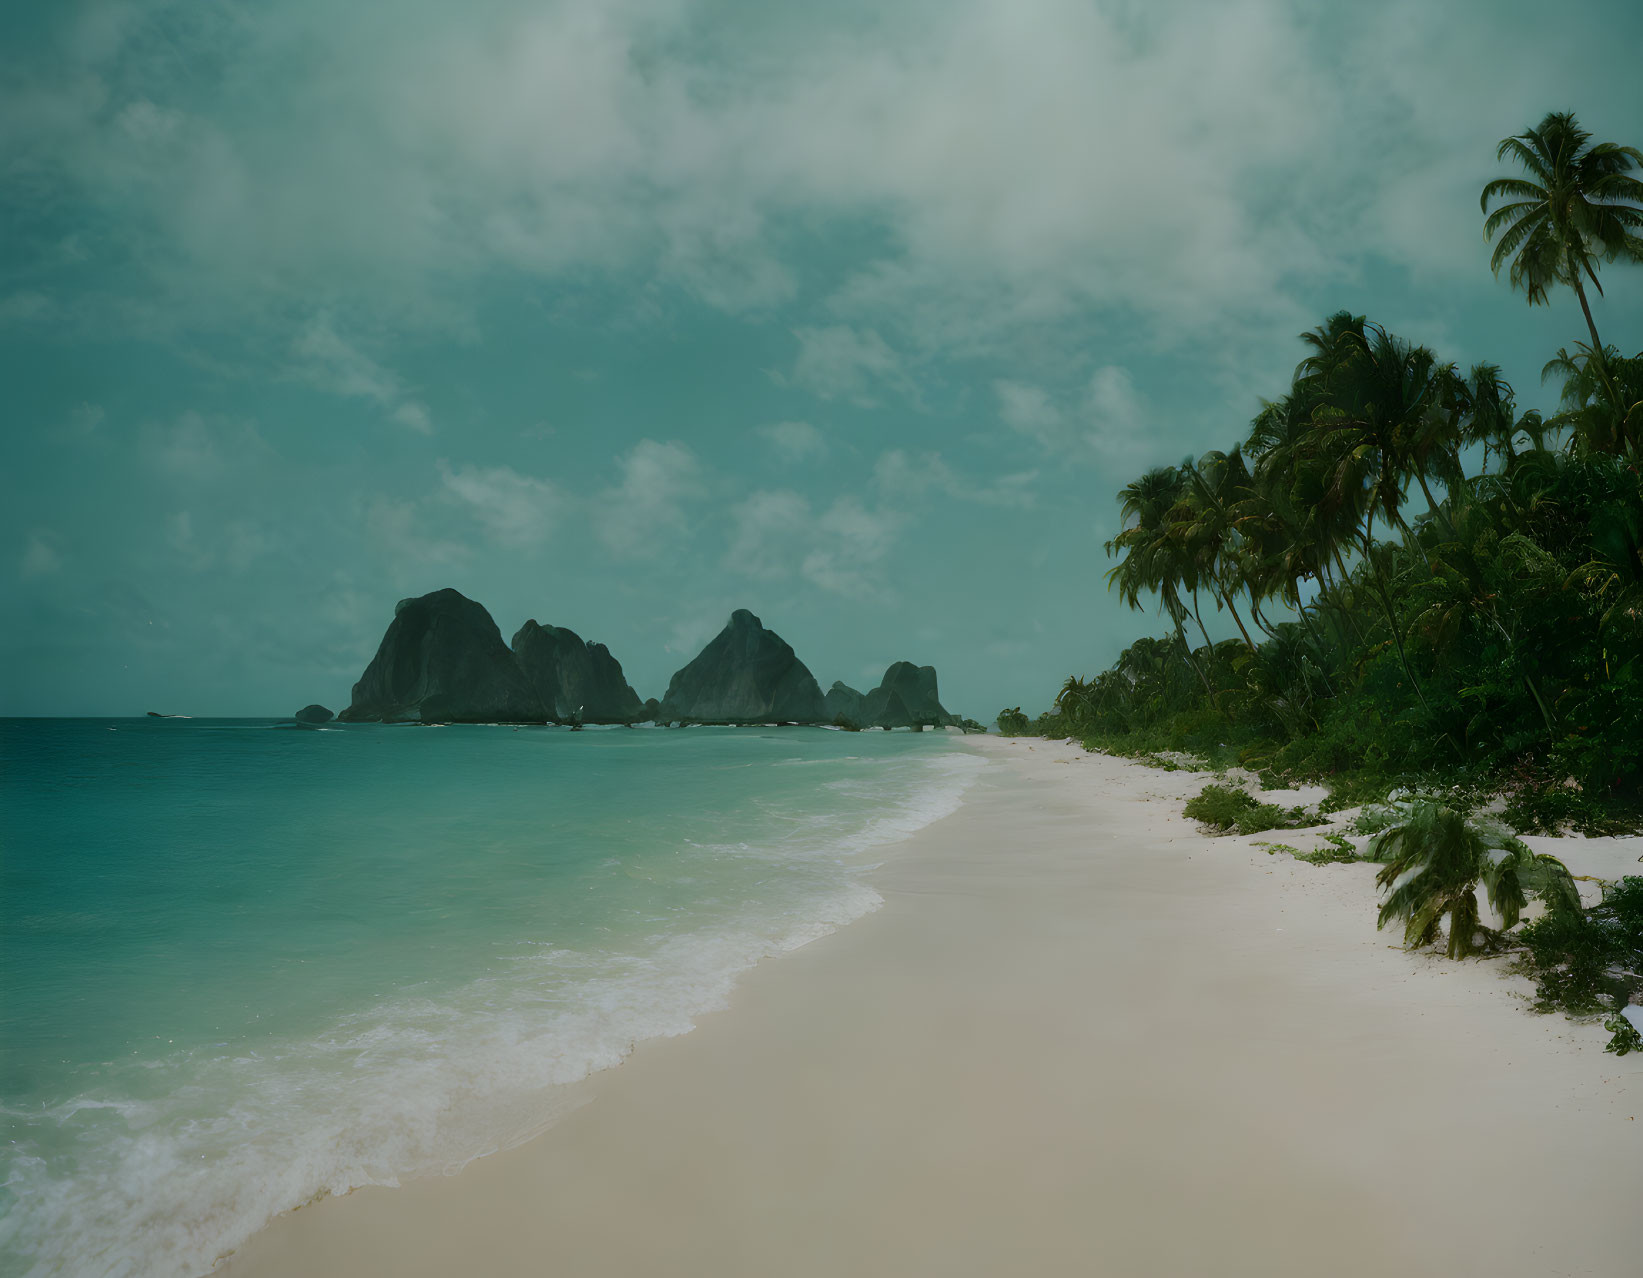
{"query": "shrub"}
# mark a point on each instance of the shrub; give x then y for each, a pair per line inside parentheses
(1569, 955)
(1581, 960)
(1373, 818)
(1226, 807)
(1220, 806)
(1626, 1038)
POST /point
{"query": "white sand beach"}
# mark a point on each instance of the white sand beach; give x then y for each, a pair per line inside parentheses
(1079, 1037)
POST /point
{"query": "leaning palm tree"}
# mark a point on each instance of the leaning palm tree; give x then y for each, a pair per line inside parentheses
(1435, 858)
(1577, 206)
(1152, 556)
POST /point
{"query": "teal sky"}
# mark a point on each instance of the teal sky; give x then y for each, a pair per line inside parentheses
(622, 314)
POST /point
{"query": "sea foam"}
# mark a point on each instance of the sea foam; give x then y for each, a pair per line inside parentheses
(169, 1161)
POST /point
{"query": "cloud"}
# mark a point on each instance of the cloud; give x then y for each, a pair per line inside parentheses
(645, 511)
(1108, 421)
(969, 156)
(234, 544)
(1030, 411)
(765, 525)
(899, 475)
(40, 557)
(24, 307)
(1119, 427)
(777, 536)
(327, 361)
(198, 448)
(837, 361)
(794, 442)
(401, 532)
(518, 511)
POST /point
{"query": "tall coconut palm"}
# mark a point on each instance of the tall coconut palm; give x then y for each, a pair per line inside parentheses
(1577, 206)
(1152, 557)
(1208, 527)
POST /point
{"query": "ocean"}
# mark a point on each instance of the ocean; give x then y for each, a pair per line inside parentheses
(243, 967)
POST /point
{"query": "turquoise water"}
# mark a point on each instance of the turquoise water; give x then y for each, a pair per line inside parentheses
(243, 966)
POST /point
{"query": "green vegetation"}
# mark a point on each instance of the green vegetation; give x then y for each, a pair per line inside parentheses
(1229, 808)
(1488, 633)
(1626, 1038)
(1434, 591)
(1435, 857)
(1337, 851)
(1584, 962)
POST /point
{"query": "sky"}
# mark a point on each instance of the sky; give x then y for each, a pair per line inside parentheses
(622, 314)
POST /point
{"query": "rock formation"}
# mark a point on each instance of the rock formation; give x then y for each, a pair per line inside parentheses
(573, 679)
(906, 697)
(844, 702)
(746, 675)
(313, 714)
(443, 661)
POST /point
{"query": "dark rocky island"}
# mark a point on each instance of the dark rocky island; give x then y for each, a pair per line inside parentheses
(443, 660)
(575, 680)
(746, 675)
(905, 698)
(844, 702)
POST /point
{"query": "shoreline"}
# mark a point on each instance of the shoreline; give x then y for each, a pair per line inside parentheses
(1078, 1033)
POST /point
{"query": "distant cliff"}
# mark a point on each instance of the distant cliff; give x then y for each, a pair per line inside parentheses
(844, 702)
(747, 674)
(573, 679)
(443, 660)
(906, 697)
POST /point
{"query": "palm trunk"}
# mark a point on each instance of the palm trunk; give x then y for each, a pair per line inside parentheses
(1186, 648)
(1597, 345)
(1432, 505)
(1340, 567)
(1317, 639)
(1226, 596)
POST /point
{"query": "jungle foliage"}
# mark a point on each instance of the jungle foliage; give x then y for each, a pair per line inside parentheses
(1427, 582)
(1433, 588)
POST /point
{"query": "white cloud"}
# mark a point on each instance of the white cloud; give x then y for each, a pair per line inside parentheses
(837, 361)
(777, 536)
(1109, 421)
(645, 512)
(899, 475)
(1004, 168)
(1118, 418)
(40, 557)
(331, 363)
(794, 442)
(1031, 411)
(764, 527)
(518, 511)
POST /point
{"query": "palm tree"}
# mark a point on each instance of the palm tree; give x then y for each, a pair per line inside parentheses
(1614, 425)
(1153, 558)
(1435, 858)
(1577, 206)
